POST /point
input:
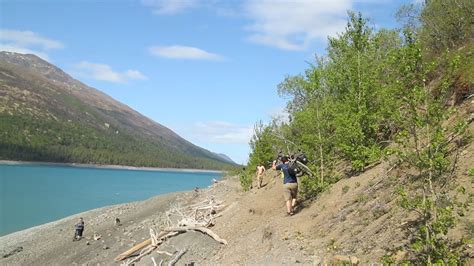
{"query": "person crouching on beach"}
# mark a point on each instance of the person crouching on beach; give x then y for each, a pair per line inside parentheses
(79, 229)
(290, 185)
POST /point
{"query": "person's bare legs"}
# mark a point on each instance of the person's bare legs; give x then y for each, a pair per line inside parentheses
(293, 203)
(289, 208)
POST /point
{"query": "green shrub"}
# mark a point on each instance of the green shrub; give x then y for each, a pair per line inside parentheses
(345, 189)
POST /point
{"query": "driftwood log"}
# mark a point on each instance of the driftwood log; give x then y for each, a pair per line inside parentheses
(159, 239)
(200, 229)
(133, 250)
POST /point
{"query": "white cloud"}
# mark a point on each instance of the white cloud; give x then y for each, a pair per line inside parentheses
(169, 7)
(106, 73)
(135, 74)
(222, 132)
(28, 38)
(27, 42)
(183, 52)
(293, 25)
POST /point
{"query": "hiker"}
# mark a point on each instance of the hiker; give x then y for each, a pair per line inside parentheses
(79, 229)
(290, 185)
(260, 171)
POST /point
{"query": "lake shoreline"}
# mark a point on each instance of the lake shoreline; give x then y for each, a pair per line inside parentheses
(117, 167)
(103, 238)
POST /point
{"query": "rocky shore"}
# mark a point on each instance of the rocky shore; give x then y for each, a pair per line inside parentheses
(104, 239)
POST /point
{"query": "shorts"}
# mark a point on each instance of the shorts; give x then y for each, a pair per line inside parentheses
(79, 232)
(290, 190)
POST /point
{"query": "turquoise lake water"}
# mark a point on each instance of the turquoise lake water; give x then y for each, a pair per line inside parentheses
(36, 194)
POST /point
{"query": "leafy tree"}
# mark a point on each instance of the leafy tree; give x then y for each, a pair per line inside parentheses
(446, 24)
(425, 142)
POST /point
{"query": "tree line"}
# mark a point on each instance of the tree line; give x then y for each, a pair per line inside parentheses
(27, 138)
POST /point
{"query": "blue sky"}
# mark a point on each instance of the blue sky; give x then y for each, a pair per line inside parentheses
(206, 69)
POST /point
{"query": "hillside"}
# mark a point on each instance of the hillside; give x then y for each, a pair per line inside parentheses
(401, 97)
(46, 115)
(358, 220)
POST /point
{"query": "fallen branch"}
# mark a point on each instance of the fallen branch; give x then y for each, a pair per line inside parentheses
(164, 252)
(200, 229)
(134, 249)
(181, 253)
(142, 254)
(160, 238)
(153, 237)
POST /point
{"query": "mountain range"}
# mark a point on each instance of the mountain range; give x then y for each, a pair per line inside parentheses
(46, 115)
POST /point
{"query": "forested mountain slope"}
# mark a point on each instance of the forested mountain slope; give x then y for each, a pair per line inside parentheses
(46, 115)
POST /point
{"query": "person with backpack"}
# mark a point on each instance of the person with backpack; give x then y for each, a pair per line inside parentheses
(290, 184)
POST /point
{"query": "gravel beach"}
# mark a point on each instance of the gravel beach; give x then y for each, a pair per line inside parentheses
(52, 243)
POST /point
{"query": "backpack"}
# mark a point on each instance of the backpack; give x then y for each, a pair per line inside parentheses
(302, 158)
(293, 169)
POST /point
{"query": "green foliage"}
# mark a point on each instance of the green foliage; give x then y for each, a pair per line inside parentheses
(345, 189)
(470, 228)
(341, 108)
(262, 146)
(375, 89)
(387, 260)
(429, 243)
(471, 172)
(424, 142)
(311, 187)
(362, 198)
(447, 24)
(246, 179)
